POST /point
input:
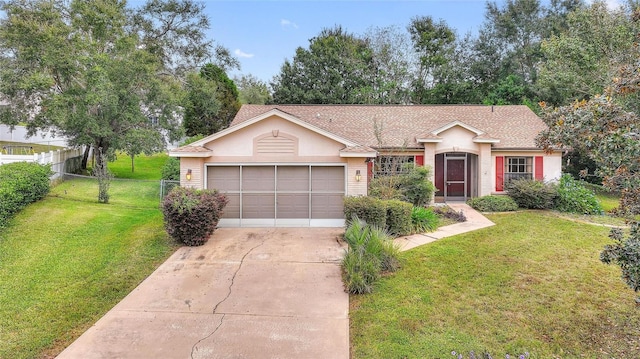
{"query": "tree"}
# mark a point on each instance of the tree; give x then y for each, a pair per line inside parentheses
(582, 60)
(608, 134)
(252, 90)
(336, 69)
(142, 140)
(392, 61)
(211, 103)
(433, 43)
(95, 70)
(625, 253)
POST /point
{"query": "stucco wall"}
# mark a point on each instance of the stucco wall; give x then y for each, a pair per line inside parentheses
(552, 164)
(354, 187)
(457, 139)
(239, 146)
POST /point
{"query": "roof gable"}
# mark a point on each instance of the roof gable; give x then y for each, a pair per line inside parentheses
(272, 112)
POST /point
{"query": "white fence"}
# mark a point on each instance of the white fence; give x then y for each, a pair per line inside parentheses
(19, 134)
(61, 161)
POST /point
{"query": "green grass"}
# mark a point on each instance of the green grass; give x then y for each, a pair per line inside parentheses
(37, 148)
(533, 282)
(66, 260)
(145, 167)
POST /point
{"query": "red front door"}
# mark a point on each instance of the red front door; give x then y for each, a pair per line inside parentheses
(455, 180)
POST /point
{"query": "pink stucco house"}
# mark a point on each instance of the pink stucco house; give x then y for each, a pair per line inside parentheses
(291, 165)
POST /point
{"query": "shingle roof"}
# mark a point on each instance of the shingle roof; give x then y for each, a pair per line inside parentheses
(399, 125)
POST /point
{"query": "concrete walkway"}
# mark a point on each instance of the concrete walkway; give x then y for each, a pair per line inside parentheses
(247, 293)
(475, 220)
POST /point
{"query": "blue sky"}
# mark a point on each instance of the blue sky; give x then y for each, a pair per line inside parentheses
(262, 34)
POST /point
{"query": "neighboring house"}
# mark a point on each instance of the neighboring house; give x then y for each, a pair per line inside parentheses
(290, 165)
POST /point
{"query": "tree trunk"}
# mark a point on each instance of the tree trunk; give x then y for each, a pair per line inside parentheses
(132, 163)
(85, 157)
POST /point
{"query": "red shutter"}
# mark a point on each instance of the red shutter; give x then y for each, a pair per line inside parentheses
(419, 160)
(499, 173)
(369, 171)
(539, 168)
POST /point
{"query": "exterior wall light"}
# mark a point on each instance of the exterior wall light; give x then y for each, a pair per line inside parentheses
(189, 175)
(358, 176)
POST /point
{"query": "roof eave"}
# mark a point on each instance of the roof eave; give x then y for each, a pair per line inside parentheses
(191, 154)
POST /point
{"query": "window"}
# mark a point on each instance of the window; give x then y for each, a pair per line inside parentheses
(518, 167)
(392, 165)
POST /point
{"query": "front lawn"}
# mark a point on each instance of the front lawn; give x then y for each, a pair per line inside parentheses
(532, 283)
(67, 260)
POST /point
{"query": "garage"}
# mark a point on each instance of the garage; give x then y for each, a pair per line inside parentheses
(281, 195)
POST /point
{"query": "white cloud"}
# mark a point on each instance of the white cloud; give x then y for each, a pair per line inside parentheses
(286, 23)
(241, 53)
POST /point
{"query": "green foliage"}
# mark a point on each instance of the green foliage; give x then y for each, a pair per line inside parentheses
(574, 197)
(114, 69)
(211, 101)
(21, 183)
(412, 186)
(191, 216)
(423, 220)
(369, 209)
(608, 134)
(531, 194)
(626, 254)
(386, 188)
(371, 251)
(171, 169)
(399, 217)
(336, 69)
(416, 187)
(493, 204)
(142, 140)
(252, 90)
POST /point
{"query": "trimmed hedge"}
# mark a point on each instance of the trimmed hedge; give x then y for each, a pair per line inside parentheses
(493, 204)
(531, 194)
(399, 217)
(191, 216)
(21, 183)
(369, 209)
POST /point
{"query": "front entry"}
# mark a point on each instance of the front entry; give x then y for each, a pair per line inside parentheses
(456, 176)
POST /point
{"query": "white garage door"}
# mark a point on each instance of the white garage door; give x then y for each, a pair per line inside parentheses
(280, 195)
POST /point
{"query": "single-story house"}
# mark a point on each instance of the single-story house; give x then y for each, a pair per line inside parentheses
(291, 165)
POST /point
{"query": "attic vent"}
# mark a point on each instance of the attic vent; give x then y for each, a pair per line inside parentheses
(276, 143)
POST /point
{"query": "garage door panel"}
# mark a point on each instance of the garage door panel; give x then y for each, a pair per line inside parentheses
(223, 178)
(325, 178)
(232, 209)
(293, 178)
(327, 206)
(293, 205)
(258, 178)
(258, 205)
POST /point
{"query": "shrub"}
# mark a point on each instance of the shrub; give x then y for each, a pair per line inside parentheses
(171, 169)
(21, 183)
(369, 209)
(531, 194)
(574, 197)
(447, 212)
(423, 220)
(413, 186)
(371, 251)
(399, 217)
(191, 216)
(385, 188)
(416, 187)
(493, 204)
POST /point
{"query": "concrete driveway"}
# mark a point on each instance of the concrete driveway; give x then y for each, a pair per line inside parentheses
(247, 293)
